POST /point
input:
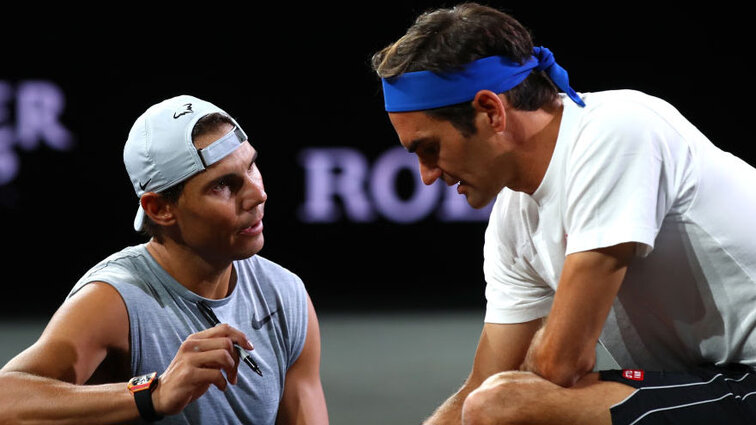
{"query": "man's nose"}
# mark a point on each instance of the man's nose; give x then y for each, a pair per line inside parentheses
(254, 193)
(429, 173)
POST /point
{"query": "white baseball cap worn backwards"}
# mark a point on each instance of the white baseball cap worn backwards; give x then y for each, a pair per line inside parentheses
(159, 151)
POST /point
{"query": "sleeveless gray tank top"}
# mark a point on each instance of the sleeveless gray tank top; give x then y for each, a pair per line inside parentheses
(268, 304)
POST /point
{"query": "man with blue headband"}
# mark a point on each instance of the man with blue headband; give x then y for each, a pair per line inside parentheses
(607, 231)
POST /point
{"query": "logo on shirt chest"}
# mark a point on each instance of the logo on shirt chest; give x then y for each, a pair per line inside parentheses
(258, 324)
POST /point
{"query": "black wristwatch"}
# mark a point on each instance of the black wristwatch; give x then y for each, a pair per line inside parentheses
(142, 387)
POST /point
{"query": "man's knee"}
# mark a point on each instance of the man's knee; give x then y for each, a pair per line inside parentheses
(506, 397)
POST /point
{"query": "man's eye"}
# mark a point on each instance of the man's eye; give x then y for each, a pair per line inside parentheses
(428, 151)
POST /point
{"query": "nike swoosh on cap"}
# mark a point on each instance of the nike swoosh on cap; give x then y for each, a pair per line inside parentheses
(187, 111)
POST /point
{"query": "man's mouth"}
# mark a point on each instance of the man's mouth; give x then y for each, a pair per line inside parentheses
(254, 229)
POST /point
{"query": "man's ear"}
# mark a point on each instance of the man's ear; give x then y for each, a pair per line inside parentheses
(492, 107)
(158, 209)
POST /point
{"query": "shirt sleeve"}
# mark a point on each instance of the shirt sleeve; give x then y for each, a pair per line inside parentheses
(617, 188)
(514, 292)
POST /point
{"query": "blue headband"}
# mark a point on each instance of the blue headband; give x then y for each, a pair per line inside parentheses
(416, 91)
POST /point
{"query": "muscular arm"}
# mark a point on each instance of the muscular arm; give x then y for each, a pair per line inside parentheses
(564, 350)
(501, 347)
(44, 384)
(303, 399)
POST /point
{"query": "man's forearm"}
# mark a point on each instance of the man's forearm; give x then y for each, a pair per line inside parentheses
(565, 348)
(563, 366)
(30, 399)
(450, 412)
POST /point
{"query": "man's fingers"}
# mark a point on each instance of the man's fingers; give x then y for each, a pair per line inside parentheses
(232, 377)
(208, 344)
(215, 359)
(224, 330)
(219, 380)
(205, 377)
(201, 361)
(219, 338)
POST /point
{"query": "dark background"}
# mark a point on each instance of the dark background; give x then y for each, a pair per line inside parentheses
(297, 77)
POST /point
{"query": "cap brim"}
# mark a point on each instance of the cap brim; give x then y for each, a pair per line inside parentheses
(139, 219)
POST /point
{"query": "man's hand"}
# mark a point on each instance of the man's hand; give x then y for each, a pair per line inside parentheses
(199, 363)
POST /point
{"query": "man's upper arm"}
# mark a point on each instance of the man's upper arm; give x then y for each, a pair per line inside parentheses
(78, 337)
(303, 399)
(565, 349)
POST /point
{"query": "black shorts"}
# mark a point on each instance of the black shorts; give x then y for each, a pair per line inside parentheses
(706, 395)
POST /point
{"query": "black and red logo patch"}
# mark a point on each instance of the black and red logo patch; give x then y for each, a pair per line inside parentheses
(633, 374)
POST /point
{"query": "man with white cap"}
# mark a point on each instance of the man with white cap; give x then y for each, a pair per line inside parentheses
(162, 327)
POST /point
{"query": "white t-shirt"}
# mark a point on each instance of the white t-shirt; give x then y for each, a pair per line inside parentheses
(630, 168)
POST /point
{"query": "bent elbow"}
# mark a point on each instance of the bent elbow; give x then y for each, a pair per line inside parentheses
(564, 372)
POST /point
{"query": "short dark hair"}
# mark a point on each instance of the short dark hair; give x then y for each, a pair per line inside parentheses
(444, 40)
(204, 125)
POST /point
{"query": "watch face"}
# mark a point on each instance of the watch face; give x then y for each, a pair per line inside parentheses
(143, 382)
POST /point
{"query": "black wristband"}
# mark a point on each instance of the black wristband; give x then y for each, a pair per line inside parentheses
(144, 405)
